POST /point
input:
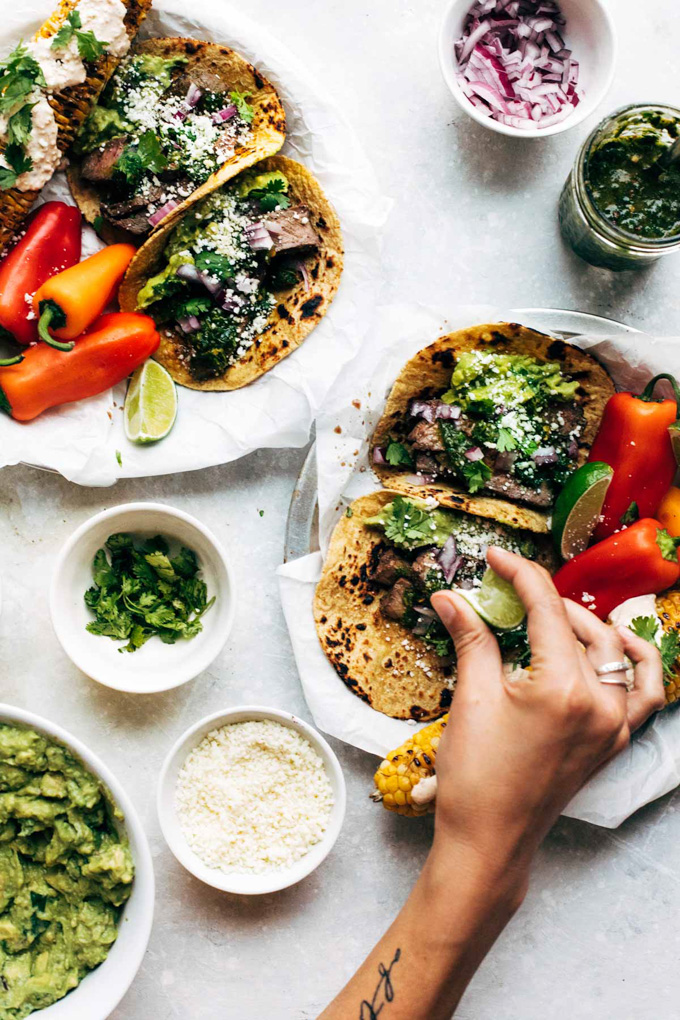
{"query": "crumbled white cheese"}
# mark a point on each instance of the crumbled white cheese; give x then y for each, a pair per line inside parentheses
(253, 797)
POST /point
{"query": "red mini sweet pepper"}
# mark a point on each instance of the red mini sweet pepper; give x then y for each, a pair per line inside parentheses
(634, 440)
(51, 243)
(114, 347)
(639, 560)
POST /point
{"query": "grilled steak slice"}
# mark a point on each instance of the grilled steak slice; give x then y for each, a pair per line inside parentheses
(390, 568)
(135, 223)
(426, 437)
(568, 418)
(392, 604)
(424, 564)
(508, 487)
(427, 464)
(100, 164)
(292, 231)
(201, 77)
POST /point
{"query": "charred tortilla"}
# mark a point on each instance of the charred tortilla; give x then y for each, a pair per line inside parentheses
(428, 375)
(379, 659)
(297, 311)
(268, 124)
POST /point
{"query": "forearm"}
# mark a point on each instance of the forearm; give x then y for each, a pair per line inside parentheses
(424, 962)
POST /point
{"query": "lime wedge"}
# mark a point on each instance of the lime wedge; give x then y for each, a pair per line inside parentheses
(150, 404)
(578, 507)
(496, 601)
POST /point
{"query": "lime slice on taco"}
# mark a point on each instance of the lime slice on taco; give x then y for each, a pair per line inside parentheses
(496, 601)
(578, 507)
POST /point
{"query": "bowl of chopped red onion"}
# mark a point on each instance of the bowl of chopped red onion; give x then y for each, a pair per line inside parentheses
(528, 68)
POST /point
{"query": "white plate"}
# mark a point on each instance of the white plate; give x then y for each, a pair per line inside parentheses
(155, 666)
(270, 881)
(101, 990)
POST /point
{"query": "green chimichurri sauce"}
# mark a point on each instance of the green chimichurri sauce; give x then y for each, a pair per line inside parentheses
(630, 179)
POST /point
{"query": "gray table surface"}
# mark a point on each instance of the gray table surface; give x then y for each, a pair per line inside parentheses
(598, 935)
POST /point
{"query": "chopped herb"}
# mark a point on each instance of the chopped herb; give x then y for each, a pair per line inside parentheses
(271, 196)
(19, 163)
(475, 472)
(243, 107)
(89, 47)
(98, 223)
(261, 513)
(505, 441)
(283, 278)
(349, 512)
(646, 627)
(398, 455)
(119, 458)
(408, 524)
(631, 515)
(19, 125)
(19, 74)
(215, 264)
(146, 154)
(141, 591)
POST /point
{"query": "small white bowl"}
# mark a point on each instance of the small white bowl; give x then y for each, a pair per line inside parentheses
(589, 33)
(101, 990)
(155, 666)
(235, 882)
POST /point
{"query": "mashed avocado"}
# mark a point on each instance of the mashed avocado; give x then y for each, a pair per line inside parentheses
(64, 872)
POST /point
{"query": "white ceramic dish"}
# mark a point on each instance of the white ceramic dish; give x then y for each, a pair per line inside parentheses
(234, 882)
(589, 33)
(101, 990)
(155, 666)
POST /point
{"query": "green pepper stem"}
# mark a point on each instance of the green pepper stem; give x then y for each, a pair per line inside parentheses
(649, 389)
(4, 362)
(49, 311)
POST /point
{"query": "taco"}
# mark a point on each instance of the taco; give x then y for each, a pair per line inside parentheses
(178, 118)
(491, 420)
(239, 281)
(372, 610)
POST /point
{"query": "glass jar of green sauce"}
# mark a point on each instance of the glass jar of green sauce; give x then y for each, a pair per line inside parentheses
(620, 206)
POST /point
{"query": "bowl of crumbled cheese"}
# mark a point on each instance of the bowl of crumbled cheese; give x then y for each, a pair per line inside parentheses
(251, 800)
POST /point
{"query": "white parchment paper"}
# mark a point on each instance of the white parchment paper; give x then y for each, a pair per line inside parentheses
(81, 440)
(650, 767)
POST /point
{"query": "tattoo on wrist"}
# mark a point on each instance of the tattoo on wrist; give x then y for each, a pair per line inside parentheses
(383, 994)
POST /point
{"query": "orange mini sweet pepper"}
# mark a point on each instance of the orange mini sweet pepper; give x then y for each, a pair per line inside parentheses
(68, 303)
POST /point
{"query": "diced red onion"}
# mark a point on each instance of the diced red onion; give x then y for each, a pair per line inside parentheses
(422, 409)
(419, 479)
(449, 560)
(300, 264)
(572, 449)
(258, 237)
(164, 211)
(379, 455)
(512, 61)
(545, 455)
(448, 412)
(193, 96)
(191, 273)
(474, 453)
(223, 115)
(189, 324)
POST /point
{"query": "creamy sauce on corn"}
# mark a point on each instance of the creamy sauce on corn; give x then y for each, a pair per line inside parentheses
(64, 66)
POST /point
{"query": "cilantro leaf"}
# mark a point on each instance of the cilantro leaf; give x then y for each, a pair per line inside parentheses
(215, 264)
(631, 515)
(398, 455)
(271, 196)
(19, 163)
(645, 627)
(8, 178)
(140, 592)
(89, 47)
(476, 474)
(19, 74)
(243, 107)
(63, 37)
(669, 646)
(408, 525)
(20, 124)
(505, 441)
(150, 152)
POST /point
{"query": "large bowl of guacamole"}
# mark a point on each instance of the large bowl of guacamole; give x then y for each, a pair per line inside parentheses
(76, 878)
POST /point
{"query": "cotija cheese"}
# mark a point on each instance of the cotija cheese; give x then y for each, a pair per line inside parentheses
(253, 797)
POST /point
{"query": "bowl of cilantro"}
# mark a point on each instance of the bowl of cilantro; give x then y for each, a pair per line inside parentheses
(142, 598)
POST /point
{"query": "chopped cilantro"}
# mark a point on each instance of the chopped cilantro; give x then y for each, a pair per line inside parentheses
(631, 515)
(19, 125)
(215, 264)
(145, 154)
(282, 278)
(140, 592)
(398, 455)
(645, 627)
(89, 47)
(19, 163)
(408, 524)
(442, 646)
(98, 223)
(271, 196)
(668, 644)
(505, 441)
(119, 458)
(349, 512)
(19, 74)
(475, 473)
(243, 107)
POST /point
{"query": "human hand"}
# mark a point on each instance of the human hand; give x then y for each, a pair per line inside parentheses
(516, 750)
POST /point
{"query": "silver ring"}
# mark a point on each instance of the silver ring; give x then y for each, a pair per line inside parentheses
(617, 683)
(611, 667)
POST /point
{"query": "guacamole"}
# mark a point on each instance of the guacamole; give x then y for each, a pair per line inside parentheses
(64, 872)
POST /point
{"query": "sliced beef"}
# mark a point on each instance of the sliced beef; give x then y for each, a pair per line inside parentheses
(390, 568)
(426, 437)
(99, 165)
(424, 564)
(203, 78)
(292, 231)
(427, 464)
(133, 214)
(508, 487)
(568, 418)
(392, 604)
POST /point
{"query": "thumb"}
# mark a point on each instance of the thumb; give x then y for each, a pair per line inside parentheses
(477, 650)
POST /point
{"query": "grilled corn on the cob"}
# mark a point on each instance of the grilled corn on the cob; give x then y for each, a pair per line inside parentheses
(404, 768)
(70, 105)
(668, 609)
